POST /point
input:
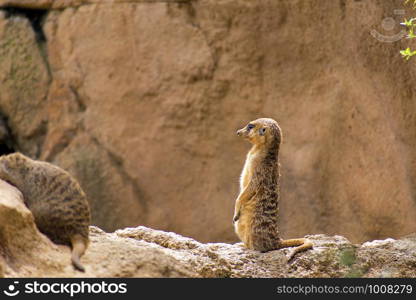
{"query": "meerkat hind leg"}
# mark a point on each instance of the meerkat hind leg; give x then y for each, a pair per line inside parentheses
(302, 245)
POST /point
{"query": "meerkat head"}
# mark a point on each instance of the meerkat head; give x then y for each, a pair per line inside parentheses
(262, 131)
(12, 165)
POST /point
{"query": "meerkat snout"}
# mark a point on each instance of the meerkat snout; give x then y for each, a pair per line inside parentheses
(246, 130)
(254, 132)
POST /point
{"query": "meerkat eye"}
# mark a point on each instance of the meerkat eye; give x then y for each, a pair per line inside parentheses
(250, 126)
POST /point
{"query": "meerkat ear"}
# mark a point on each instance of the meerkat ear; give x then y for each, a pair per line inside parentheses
(262, 131)
(4, 165)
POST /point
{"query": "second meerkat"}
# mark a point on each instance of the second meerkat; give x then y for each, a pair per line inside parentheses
(56, 200)
(256, 208)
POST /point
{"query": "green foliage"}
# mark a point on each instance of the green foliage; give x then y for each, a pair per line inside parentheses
(414, 2)
(407, 54)
(410, 26)
(408, 23)
(347, 257)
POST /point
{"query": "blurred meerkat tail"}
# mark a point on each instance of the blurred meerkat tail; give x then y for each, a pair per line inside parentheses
(79, 245)
(302, 245)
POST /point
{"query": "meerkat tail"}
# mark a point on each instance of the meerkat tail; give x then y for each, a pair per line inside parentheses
(303, 244)
(78, 248)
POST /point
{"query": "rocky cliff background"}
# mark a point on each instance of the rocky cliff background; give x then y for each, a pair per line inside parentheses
(140, 100)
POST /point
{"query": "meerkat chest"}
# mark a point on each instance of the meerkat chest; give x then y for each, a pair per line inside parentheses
(248, 170)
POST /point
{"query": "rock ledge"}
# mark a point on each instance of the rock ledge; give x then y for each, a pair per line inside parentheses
(144, 252)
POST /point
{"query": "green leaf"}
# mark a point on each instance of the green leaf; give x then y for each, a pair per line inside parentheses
(411, 34)
(408, 53)
(408, 23)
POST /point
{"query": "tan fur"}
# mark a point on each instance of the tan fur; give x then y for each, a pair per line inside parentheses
(54, 197)
(79, 245)
(256, 208)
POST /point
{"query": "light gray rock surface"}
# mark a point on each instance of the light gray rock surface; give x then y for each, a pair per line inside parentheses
(144, 252)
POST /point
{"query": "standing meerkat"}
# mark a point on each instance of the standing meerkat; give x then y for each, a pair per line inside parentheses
(256, 208)
(54, 197)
